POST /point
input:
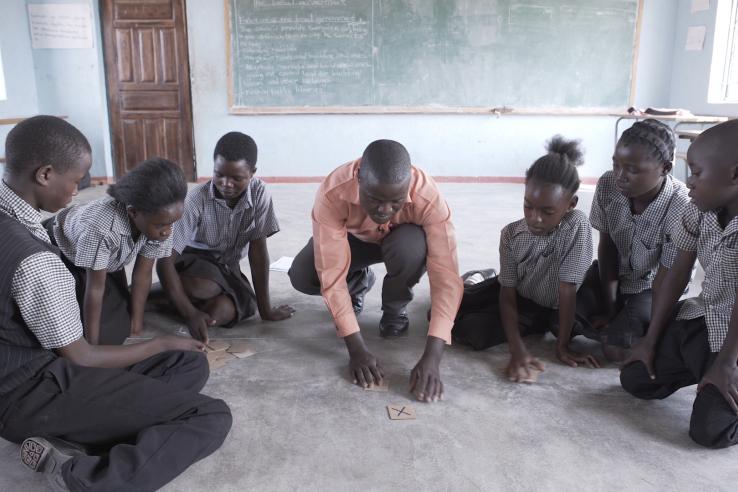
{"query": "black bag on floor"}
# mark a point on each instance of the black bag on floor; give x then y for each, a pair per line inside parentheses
(478, 313)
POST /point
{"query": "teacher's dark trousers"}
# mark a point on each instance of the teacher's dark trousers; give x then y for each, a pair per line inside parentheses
(403, 252)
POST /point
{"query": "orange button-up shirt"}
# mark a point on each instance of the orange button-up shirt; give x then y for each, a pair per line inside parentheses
(337, 211)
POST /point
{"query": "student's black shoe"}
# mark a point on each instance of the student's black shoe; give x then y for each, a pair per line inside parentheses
(367, 281)
(393, 325)
(47, 455)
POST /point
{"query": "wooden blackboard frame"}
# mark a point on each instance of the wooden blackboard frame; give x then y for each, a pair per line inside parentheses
(430, 109)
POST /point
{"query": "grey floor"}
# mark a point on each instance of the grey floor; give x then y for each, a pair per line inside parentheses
(300, 425)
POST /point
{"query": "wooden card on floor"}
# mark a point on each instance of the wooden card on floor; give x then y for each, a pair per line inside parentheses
(241, 349)
(216, 360)
(224, 356)
(533, 374)
(382, 387)
(218, 345)
(401, 412)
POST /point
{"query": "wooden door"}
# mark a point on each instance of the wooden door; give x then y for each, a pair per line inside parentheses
(148, 79)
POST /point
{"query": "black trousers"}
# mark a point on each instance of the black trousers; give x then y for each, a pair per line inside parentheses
(629, 323)
(144, 425)
(682, 357)
(478, 323)
(403, 252)
(200, 263)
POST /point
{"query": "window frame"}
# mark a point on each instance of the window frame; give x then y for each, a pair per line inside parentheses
(723, 90)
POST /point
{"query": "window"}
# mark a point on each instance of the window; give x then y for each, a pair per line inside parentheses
(3, 93)
(724, 70)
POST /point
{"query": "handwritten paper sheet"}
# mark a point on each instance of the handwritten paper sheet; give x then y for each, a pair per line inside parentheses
(67, 25)
(695, 38)
(699, 6)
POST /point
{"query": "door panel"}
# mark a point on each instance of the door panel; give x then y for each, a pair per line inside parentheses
(147, 72)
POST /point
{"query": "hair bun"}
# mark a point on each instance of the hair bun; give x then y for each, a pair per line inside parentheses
(567, 149)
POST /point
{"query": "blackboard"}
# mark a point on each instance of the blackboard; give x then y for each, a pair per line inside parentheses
(428, 55)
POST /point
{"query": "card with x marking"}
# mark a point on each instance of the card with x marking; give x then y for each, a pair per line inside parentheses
(401, 412)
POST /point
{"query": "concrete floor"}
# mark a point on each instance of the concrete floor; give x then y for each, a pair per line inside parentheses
(300, 425)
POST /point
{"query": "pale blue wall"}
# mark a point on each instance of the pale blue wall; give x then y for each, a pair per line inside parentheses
(15, 43)
(690, 73)
(71, 82)
(471, 145)
(655, 53)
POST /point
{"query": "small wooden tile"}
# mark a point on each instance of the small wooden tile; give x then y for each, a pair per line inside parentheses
(533, 376)
(224, 356)
(218, 345)
(382, 387)
(214, 362)
(401, 412)
(241, 349)
(218, 359)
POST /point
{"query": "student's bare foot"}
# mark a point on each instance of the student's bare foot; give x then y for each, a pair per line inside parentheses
(278, 313)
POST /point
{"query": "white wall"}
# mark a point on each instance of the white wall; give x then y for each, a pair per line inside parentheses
(455, 145)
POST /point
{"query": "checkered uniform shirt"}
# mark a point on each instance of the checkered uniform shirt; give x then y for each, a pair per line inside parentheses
(717, 251)
(97, 235)
(643, 241)
(534, 265)
(208, 223)
(42, 287)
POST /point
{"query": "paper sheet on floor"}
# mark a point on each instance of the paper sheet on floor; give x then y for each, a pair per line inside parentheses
(281, 265)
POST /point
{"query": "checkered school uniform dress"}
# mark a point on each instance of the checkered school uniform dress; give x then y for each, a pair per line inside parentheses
(42, 287)
(717, 251)
(534, 265)
(208, 223)
(98, 235)
(643, 241)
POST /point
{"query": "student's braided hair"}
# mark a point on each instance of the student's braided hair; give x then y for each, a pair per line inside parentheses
(657, 137)
(151, 186)
(559, 165)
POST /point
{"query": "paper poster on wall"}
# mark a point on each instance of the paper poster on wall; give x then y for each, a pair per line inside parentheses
(695, 38)
(60, 25)
(3, 93)
(699, 6)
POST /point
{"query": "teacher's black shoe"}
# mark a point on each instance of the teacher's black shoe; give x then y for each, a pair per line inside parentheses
(393, 325)
(47, 455)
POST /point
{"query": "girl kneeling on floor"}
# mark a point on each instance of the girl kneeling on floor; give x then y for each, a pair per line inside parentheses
(543, 260)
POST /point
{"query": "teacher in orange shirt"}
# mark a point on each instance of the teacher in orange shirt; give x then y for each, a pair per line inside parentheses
(380, 208)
